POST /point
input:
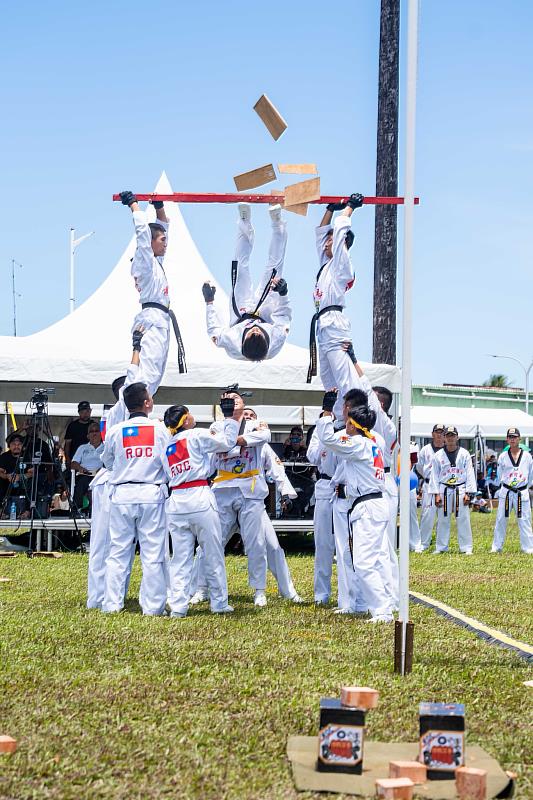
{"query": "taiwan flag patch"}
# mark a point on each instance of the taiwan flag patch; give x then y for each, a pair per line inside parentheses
(138, 436)
(103, 428)
(177, 452)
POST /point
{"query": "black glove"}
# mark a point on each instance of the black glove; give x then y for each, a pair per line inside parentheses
(281, 287)
(157, 204)
(208, 292)
(227, 404)
(286, 502)
(136, 339)
(336, 206)
(351, 353)
(329, 400)
(355, 200)
(127, 198)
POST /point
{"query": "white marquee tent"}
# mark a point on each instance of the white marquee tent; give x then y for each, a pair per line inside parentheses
(491, 423)
(84, 366)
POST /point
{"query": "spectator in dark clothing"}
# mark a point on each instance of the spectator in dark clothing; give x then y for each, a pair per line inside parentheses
(76, 432)
(13, 471)
(295, 449)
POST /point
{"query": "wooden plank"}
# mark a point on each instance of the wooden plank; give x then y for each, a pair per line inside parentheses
(256, 177)
(47, 554)
(270, 116)
(297, 169)
(8, 554)
(303, 192)
(298, 208)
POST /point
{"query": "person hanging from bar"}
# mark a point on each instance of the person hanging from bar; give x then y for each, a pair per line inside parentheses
(453, 483)
(515, 474)
(259, 319)
(152, 284)
(330, 328)
(362, 452)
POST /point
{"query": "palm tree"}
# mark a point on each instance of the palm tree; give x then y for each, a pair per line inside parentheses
(501, 381)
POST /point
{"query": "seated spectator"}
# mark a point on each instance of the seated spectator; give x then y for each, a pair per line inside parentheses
(86, 463)
(492, 476)
(77, 431)
(295, 449)
(13, 472)
(60, 502)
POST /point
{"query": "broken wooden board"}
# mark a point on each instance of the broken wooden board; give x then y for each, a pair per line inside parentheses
(301, 208)
(47, 554)
(297, 169)
(256, 177)
(8, 554)
(302, 192)
(270, 116)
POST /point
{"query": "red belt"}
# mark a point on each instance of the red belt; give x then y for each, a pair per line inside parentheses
(190, 485)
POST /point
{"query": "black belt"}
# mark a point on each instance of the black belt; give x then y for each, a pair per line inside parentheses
(360, 499)
(324, 477)
(136, 483)
(518, 491)
(454, 488)
(182, 364)
(340, 491)
(387, 469)
(313, 357)
(253, 314)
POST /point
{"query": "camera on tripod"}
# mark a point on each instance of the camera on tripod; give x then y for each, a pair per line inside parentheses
(39, 398)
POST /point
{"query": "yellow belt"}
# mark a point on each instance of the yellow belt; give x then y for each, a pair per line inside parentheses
(223, 475)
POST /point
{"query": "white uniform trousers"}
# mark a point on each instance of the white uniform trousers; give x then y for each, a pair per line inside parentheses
(276, 561)
(427, 517)
(203, 526)
(154, 352)
(390, 495)
(336, 367)
(414, 529)
(524, 522)
(99, 546)
(245, 296)
(348, 592)
(247, 512)
(464, 531)
(369, 521)
(324, 548)
(147, 521)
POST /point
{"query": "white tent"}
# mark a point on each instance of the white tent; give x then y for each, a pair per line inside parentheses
(59, 356)
(491, 423)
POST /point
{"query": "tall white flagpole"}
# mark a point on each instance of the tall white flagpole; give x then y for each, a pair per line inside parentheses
(405, 437)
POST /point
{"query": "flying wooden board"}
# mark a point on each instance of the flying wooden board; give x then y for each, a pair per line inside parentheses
(256, 177)
(270, 116)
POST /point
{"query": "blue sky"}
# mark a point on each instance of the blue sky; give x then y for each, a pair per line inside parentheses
(105, 96)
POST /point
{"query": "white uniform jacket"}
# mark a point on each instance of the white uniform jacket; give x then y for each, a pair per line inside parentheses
(336, 275)
(230, 337)
(240, 468)
(514, 476)
(363, 457)
(325, 462)
(425, 462)
(384, 425)
(134, 454)
(275, 471)
(452, 473)
(188, 465)
(149, 275)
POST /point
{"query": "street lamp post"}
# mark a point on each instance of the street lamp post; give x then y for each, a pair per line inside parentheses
(73, 245)
(527, 370)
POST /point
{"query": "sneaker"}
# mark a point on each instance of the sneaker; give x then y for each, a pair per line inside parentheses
(275, 214)
(198, 597)
(321, 602)
(466, 552)
(260, 599)
(226, 610)
(179, 614)
(381, 618)
(342, 611)
(245, 212)
(296, 599)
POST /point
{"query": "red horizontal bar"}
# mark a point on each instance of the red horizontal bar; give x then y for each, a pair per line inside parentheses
(212, 197)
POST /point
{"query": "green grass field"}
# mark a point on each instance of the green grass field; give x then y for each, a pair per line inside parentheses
(133, 707)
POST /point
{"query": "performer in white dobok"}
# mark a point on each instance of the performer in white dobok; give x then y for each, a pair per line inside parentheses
(365, 478)
(134, 454)
(259, 319)
(324, 460)
(453, 483)
(192, 513)
(152, 284)
(423, 470)
(329, 326)
(240, 490)
(515, 475)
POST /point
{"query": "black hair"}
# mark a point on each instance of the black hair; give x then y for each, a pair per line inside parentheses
(13, 436)
(134, 396)
(173, 415)
(156, 229)
(356, 397)
(117, 385)
(384, 395)
(298, 429)
(364, 416)
(249, 408)
(349, 238)
(255, 348)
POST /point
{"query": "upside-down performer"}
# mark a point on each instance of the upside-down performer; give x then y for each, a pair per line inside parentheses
(259, 318)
